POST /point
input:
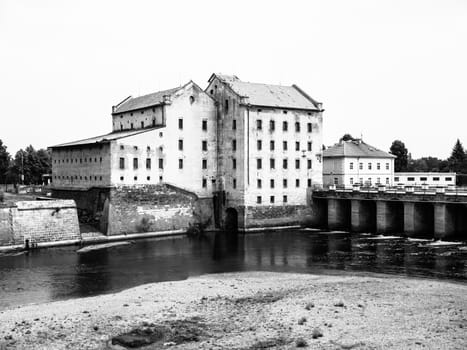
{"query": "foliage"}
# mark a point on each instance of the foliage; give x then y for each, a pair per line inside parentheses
(4, 162)
(457, 160)
(400, 151)
(347, 137)
(32, 164)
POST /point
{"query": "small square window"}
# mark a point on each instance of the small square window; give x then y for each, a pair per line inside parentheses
(148, 178)
(135, 178)
(258, 200)
(284, 199)
(121, 178)
(271, 199)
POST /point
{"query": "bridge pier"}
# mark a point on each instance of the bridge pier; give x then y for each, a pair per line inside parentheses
(338, 214)
(445, 221)
(418, 219)
(389, 217)
(363, 216)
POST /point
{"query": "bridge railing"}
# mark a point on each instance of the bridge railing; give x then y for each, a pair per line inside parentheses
(421, 190)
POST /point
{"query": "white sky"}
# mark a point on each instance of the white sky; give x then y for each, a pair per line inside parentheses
(385, 69)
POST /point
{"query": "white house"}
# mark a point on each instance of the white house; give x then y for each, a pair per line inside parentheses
(355, 162)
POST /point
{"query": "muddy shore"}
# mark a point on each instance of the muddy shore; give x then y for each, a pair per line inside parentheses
(257, 310)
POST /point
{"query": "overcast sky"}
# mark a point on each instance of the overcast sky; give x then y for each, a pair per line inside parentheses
(383, 69)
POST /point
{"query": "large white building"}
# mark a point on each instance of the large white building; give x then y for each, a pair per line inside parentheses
(254, 148)
(354, 162)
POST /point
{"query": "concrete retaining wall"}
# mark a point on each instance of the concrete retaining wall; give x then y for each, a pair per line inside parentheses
(270, 216)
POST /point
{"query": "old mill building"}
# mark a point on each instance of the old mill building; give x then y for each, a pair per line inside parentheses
(235, 154)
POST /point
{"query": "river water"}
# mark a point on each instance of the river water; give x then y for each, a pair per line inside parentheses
(60, 273)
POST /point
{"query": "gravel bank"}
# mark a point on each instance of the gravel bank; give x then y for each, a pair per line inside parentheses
(257, 310)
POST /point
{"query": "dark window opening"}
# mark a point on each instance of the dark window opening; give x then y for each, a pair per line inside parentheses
(122, 163)
(135, 163)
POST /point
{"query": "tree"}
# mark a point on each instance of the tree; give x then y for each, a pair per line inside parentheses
(398, 149)
(347, 137)
(458, 157)
(4, 162)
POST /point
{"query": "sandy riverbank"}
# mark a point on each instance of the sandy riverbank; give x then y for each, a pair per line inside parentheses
(252, 311)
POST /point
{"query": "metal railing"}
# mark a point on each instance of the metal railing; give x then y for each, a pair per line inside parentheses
(417, 190)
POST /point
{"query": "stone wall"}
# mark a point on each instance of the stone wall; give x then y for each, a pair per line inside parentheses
(39, 222)
(270, 216)
(153, 208)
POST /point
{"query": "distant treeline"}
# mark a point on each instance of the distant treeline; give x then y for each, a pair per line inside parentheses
(27, 166)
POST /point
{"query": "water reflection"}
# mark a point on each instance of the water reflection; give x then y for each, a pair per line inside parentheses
(60, 273)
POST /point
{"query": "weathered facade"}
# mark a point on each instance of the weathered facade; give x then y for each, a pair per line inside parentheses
(252, 150)
(269, 149)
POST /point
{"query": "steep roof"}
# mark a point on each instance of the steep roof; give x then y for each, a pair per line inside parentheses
(355, 149)
(106, 138)
(268, 95)
(149, 100)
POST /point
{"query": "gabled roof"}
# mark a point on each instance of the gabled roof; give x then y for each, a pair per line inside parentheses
(268, 95)
(145, 101)
(355, 149)
(106, 138)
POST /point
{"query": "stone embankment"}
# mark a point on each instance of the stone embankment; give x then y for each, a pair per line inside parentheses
(251, 311)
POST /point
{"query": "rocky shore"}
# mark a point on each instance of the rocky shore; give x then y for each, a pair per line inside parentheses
(257, 310)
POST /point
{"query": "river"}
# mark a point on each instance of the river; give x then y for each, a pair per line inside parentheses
(60, 273)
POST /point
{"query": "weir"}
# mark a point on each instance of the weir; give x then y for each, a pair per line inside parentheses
(438, 215)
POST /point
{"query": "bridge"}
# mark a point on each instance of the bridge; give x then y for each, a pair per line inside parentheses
(439, 213)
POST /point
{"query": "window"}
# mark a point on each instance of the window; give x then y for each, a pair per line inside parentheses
(148, 163)
(135, 178)
(360, 166)
(192, 99)
(284, 163)
(160, 178)
(204, 125)
(309, 146)
(410, 179)
(148, 178)
(297, 163)
(259, 145)
(272, 125)
(336, 181)
(204, 183)
(448, 179)
(259, 163)
(142, 125)
(271, 183)
(148, 148)
(135, 147)
(309, 183)
(258, 183)
(297, 127)
(396, 179)
(285, 126)
(285, 112)
(121, 178)
(297, 146)
(297, 182)
(205, 163)
(272, 163)
(180, 163)
(122, 163)
(259, 124)
(226, 105)
(234, 163)
(369, 181)
(284, 199)
(351, 165)
(161, 163)
(180, 145)
(378, 166)
(154, 122)
(135, 163)
(204, 145)
(378, 180)
(259, 110)
(131, 126)
(423, 178)
(258, 200)
(121, 127)
(369, 166)
(271, 199)
(387, 181)
(387, 166)
(351, 180)
(271, 145)
(100, 160)
(284, 145)
(234, 124)
(436, 179)
(234, 183)
(310, 127)
(180, 124)
(284, 183)
(309, 165)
